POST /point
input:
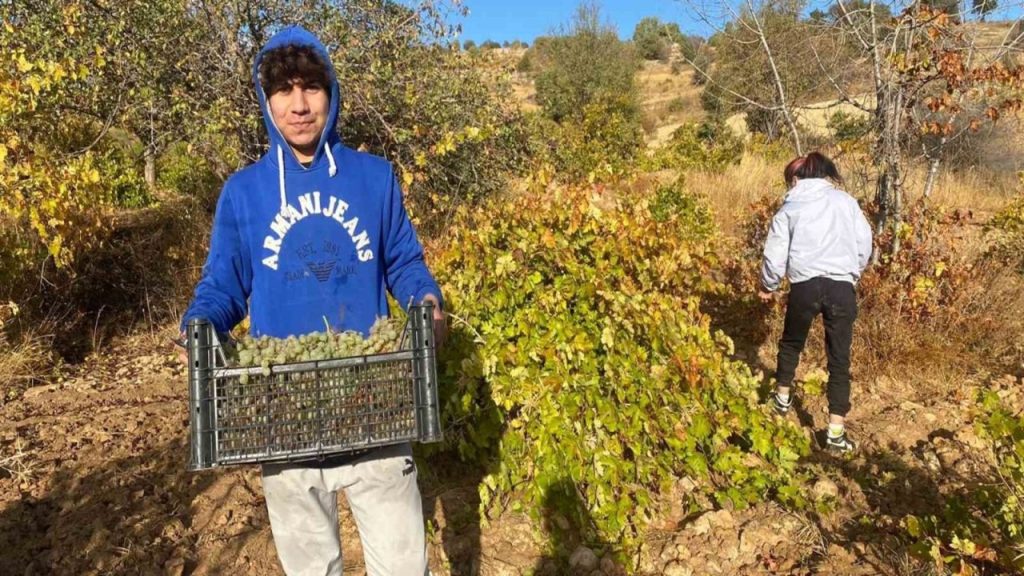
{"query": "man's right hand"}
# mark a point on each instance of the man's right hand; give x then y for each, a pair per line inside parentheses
(440, 321)
(181, 345)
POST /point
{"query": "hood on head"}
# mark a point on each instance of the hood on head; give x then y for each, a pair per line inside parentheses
(298, 36)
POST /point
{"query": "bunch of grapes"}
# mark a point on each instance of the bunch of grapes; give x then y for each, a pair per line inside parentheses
(385, 336)
(294, 405)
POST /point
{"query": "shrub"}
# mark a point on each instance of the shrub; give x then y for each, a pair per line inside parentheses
(654, 38)
(1006, 233)
(604, 143)
(445, 118)
(738, 311)
(123, 179)
(189, 173)
(706, 146)
(933, 305)
(585, 357)
(981, 530)
(525, 64)
(702, 66)
(53, 201)
(584, 66)
(773, 151)
(848, 129)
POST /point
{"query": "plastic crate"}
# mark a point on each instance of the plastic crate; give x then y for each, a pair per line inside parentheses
(310, 410)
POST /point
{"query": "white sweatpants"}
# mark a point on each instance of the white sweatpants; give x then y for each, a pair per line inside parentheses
(385, 501)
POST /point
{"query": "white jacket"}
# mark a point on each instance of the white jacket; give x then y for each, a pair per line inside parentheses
(820, 231)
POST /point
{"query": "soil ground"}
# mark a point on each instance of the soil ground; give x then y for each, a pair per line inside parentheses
(94, 482)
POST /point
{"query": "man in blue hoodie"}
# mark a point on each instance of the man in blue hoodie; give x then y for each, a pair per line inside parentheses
(315, 233)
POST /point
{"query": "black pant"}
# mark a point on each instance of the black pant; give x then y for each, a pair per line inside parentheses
(837, 303)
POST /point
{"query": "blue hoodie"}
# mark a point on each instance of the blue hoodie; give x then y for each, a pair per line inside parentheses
(300, 249)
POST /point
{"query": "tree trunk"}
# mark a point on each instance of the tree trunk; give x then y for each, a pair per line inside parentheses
(150, 171)
(780, 90)
(888, 189)
(933, 174)
(150, 153)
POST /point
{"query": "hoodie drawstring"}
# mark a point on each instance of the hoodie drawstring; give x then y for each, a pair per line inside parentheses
(330, 159)
(280, 171)
(280, 176)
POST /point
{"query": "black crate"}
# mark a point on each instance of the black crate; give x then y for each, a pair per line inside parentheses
(310, 410)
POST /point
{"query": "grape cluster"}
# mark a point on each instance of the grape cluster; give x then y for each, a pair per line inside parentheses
(385, 336)
(297, 408)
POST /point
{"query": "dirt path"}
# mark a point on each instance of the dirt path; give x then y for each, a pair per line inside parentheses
(94, 482)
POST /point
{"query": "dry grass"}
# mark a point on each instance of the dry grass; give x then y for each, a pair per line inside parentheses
(524, 92)
(667, 100)
(990, 36)
(733, 191)
(981, 192)
(24, 363)
(18, 463)
(813, 119)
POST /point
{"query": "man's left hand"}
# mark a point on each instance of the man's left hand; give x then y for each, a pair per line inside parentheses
(440, 322)
(765, 296)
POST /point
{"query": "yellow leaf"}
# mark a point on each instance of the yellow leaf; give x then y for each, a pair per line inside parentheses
(3, 153)
(608, 338)
(58, 73)
(407, 179)
(54, 246)
(34, 83)
(23, 64)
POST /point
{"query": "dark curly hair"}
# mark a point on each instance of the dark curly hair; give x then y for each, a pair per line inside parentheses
(282, 66)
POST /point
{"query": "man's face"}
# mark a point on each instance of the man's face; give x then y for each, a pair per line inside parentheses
(300, 113)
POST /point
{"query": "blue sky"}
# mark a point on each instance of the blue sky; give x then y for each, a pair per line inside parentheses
(502, 20)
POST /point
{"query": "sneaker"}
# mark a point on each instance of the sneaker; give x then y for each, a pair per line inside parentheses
(781, 406)
(841, 443)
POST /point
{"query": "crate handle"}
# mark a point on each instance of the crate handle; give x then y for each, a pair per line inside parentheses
(425, 372)
(202, 349)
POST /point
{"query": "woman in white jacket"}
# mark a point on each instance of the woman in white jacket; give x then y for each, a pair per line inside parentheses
(821, 240)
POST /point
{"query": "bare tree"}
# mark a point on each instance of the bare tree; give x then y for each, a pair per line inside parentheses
(749, 27)
(925, 64)
(918, 73)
